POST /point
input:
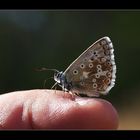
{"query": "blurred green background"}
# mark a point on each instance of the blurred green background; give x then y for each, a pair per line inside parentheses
(54, 38)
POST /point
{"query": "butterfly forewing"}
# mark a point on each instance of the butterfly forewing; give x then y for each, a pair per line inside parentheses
(93, 72)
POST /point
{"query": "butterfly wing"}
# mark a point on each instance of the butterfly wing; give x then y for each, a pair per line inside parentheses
(93, 72)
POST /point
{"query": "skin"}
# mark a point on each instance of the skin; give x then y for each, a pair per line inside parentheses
(53, 109)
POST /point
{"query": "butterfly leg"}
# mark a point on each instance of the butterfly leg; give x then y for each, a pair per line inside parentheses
(54, 85)
(55, 88)
(65, 92)
(72, 95)
(44, 84)
(45, 81)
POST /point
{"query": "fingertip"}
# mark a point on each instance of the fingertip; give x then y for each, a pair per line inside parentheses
(106, 115)
(96, 114)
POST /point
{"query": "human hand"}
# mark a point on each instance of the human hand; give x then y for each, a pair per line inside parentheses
(53, 109)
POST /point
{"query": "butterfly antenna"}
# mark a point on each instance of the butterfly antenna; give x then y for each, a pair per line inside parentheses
(45, 69)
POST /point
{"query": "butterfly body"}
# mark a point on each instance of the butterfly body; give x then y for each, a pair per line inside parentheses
(92, 73)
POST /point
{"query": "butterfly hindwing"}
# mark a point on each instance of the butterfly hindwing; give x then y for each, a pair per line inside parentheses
(93, 72)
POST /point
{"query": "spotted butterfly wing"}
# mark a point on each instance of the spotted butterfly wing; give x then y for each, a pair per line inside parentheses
(93, 72)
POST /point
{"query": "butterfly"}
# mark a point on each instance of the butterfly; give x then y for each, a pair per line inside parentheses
(93, 73)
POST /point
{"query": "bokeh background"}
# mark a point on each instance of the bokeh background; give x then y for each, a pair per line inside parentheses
(54, 38)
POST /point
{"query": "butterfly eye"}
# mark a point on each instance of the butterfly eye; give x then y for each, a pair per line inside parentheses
(58, 75)
(55, 74)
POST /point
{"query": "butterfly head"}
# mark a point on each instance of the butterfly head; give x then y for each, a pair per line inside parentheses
(61, 80)
(58, 76)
